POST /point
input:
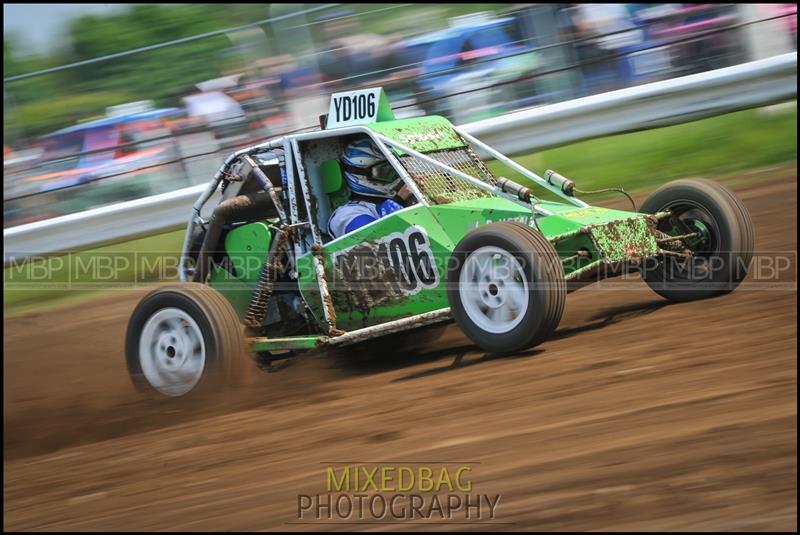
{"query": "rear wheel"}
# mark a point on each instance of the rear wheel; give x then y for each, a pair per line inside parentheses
(506, 287)
(183, 339)
(721, 246)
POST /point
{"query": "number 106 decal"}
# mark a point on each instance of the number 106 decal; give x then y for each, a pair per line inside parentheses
(403, 259)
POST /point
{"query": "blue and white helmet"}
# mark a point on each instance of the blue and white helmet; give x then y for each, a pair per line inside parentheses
(367, 172)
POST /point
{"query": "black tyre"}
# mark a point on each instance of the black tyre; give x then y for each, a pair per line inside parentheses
(506, 287)
(721, 252)
(184, 339)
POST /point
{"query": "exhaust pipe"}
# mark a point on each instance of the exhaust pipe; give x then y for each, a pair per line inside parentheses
(251, 206)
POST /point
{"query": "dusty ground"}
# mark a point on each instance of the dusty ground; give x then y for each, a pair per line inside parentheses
(639, 414)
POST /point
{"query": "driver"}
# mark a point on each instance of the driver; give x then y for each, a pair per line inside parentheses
(373, 185)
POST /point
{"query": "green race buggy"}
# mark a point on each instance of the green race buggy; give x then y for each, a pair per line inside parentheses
(260, 274)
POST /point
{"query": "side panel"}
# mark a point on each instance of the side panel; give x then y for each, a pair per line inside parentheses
(461, 217)
(387, 270)
(247, 247)
(396, 266)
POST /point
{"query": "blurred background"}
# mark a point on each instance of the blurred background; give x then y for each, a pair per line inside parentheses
(637, 415)
(110, 102)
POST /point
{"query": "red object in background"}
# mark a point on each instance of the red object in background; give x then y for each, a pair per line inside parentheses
(695, 26)
(790, 20)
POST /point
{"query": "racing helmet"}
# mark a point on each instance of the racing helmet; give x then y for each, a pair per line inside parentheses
(367, 172)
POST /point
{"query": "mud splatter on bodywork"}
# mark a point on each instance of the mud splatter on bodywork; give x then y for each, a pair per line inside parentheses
(423, 134)
(363, 281)
(617, 244)
(319, 257)
(626, 240)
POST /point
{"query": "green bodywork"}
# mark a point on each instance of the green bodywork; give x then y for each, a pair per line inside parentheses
(373, 296)
(286, 343)
(247, 247)
(423, 134)
(403, 257)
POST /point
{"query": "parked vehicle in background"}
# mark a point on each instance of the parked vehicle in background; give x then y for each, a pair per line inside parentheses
(218, 112)
(692, 28)
(475, 52)
(113, 159)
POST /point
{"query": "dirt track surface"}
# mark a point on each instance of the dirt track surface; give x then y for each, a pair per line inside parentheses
(638, 414)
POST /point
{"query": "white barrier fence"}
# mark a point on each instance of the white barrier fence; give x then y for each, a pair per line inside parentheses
(656, 104)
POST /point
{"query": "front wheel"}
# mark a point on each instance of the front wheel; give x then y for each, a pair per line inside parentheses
(506, 287)
(183, 339)
(716, 252)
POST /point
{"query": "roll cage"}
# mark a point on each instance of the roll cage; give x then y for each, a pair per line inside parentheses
(294, 153)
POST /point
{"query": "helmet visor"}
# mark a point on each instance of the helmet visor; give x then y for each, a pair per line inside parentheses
(383, 173)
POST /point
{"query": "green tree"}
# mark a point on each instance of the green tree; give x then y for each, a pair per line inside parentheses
(156, 74)
(43, 103)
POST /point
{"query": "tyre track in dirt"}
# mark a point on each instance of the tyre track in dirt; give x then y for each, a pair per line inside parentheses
(637, 414)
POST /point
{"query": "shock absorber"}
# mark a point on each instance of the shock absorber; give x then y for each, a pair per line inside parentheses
(257, 307)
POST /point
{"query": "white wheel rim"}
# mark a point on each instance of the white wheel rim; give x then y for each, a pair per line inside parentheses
(493, 289)
(172, 353)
